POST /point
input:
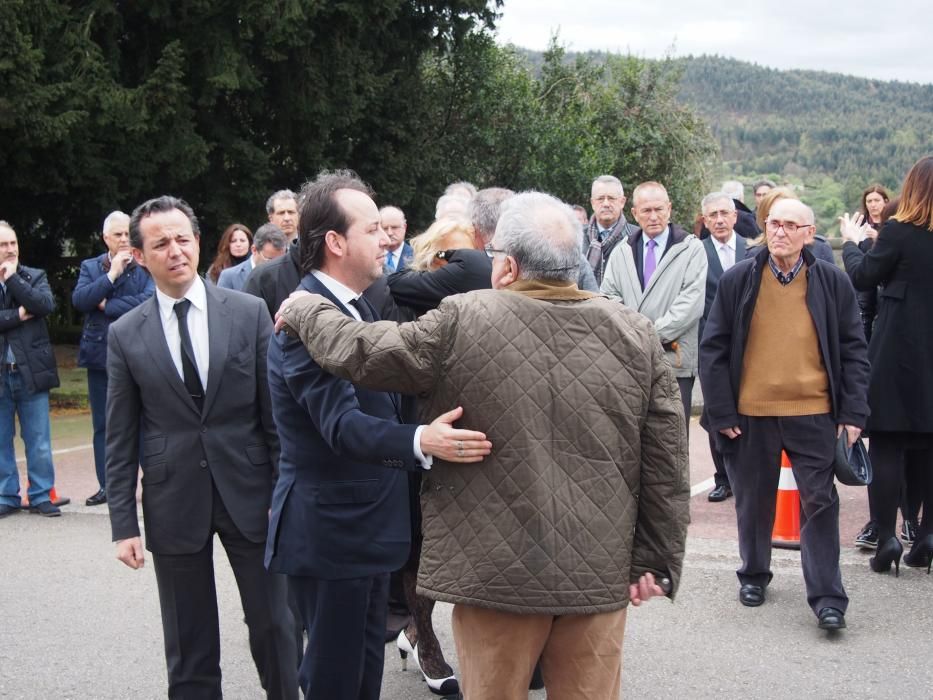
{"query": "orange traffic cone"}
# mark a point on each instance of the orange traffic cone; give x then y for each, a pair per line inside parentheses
(786, 531)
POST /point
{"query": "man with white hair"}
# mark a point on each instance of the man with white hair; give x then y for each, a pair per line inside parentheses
(608, 226)
(784, 366)
(399, 252)
(521, 543)
(108, 286)
(723, 249)
(660, 271)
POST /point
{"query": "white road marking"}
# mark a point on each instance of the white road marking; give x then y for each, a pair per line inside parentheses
(702, 486)
(66, 450)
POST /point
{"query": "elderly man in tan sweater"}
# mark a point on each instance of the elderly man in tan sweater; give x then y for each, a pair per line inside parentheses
(783, 364)
(582, 507)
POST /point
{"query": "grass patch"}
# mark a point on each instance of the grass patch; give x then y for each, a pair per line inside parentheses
(72, 394)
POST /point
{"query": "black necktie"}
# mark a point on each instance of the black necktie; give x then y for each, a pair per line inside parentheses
(361, 307)
(189, 367)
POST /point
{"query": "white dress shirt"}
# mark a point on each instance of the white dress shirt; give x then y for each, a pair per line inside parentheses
(345, 296)
(197, 328)
(726, 252)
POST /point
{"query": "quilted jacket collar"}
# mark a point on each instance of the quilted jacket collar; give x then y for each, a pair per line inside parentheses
(550, 290)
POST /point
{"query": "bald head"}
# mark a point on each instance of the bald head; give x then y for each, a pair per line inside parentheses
(788, 229)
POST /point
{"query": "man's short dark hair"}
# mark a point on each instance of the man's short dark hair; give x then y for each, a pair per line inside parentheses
(159, 205)
(319, 212)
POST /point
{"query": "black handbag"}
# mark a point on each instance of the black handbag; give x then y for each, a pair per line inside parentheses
(852, 466)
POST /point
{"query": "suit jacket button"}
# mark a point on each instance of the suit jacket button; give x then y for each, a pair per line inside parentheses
(203, 464)
(203, 430)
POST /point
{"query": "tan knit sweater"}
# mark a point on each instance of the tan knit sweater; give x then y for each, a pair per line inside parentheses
(782, 370)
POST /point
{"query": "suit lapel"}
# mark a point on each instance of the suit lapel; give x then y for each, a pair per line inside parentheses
(219, 332)
(712, 257)
(310, 283)
(153, 337)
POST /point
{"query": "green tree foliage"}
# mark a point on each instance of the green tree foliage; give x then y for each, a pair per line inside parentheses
(497, 120)
(104, 104)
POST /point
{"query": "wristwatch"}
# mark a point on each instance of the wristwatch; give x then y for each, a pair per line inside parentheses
(665, 585)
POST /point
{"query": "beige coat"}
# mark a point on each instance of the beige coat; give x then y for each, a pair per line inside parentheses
(587, 484)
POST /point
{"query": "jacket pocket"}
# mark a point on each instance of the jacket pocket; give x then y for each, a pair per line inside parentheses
(894, 290)
(258, 454)
(341, 492)
(155, 473)
(154, 445)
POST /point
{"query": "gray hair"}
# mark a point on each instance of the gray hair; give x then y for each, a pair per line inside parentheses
(763, 183)
(734, 188)
(483, 211)
(450, 205)
(462, 185)
(608, 180)
(269, 233)
(281, 194)
(715, 197)
(113, 218)
(543, 236)
(389, 208)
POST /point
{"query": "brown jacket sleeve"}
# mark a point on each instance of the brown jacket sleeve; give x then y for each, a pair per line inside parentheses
(664, 494)
(382, 356)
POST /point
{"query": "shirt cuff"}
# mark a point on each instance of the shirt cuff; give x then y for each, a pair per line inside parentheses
(426, 460)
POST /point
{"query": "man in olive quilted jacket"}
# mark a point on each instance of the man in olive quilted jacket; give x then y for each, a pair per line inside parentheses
(582, 507)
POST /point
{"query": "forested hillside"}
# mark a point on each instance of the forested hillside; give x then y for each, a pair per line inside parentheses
(797, 123)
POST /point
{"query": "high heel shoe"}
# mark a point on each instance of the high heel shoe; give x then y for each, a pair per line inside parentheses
(887, 554)
(921, 554)
(438, 686)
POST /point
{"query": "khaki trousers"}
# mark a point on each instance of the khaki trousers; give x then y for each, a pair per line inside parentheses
(581, 655)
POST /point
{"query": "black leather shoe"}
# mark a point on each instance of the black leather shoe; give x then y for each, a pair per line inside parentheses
(98, 499)
(6, 510)
(46, 509)
(751, 595)
(720, 493)
(831, 619)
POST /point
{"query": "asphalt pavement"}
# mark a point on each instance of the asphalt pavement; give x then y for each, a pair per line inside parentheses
(75, 623)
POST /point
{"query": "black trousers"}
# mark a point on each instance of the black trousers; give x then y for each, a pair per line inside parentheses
(346, 622)
(188, 599)
(891, 454)
(721, 477)
(753, 461)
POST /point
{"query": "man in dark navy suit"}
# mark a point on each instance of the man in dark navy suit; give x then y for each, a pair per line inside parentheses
(339, 522)
(723, 249)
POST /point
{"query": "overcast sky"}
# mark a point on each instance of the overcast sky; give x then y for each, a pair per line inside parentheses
(858, 37)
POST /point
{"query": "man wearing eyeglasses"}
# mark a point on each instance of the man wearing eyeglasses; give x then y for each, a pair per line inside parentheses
(268, 244)
(608, 226)
(784, 366)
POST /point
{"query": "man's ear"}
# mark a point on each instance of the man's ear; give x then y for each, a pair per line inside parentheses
(138, 257)
(335, 242)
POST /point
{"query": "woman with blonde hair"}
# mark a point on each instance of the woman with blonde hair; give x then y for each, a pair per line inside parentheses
(443, 235)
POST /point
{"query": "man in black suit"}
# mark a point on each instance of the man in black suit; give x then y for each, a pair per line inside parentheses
(188, 398)
(274, 281)
(340, 512)
(723, 249)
